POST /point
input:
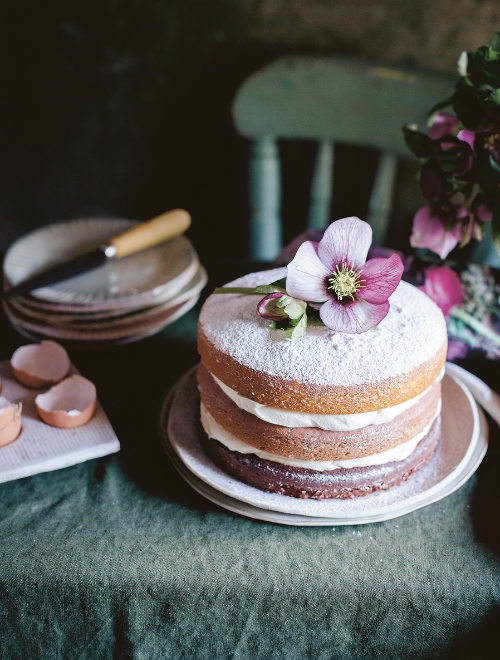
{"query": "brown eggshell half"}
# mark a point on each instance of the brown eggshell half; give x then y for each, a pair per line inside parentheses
(68, 404)
(10, 421)
(40, 365)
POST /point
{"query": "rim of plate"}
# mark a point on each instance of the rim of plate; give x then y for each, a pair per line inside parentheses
(149, 274)
(435, 480)
(154, 321)
(89, 319)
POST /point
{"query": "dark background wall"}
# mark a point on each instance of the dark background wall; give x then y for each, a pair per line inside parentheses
(122, 107)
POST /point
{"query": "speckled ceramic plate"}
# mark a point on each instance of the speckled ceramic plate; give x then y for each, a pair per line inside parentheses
(131, 331)
(131, 281)
(43, 309)
(462, 447)
(98, 319)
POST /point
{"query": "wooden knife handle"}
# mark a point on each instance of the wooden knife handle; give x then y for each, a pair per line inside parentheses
(159, 229)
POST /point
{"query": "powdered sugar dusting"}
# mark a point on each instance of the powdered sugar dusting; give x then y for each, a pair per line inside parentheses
(412, 333)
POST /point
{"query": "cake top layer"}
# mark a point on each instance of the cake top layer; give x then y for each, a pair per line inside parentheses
(412, 333)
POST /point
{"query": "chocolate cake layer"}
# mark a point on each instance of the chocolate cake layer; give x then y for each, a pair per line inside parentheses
(313, 444)
(343, 483)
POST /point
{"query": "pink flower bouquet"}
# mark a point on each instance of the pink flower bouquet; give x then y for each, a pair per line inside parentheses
(460, 158)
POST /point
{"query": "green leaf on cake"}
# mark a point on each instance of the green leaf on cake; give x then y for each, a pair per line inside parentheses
(295, 332)
(292, 307)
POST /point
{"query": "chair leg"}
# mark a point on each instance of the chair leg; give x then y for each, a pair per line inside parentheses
(265, 200)
(322, 187)
(380, 204)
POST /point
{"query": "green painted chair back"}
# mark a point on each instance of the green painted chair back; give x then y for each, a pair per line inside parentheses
(329, 100)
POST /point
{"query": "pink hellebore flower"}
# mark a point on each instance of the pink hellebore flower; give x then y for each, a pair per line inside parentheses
(484, 211)
(467, 136)
(443, 124)
(486, 138)
(333, 272)
(429, 231)
(443, 286)
(447, 125)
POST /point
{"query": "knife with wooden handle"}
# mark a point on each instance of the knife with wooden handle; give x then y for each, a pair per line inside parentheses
(144, 235)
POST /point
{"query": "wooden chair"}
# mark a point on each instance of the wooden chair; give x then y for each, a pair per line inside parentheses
(329, 100)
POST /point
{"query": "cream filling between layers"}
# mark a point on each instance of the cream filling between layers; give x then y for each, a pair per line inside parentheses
(293, 419)
(214, 430)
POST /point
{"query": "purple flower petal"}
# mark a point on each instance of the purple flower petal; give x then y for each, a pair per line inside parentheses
(456, 349)
(443, 286)
(428, 232)
(345, 241)
(306, 274)
(467, 136)
(443, 124)
(354, 317)
(382, 252)
(381, 276)
(268, 308)
(484, 212)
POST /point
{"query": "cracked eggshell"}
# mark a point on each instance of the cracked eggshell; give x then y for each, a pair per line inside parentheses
(40, 365)
(10, 421)
(68, 404)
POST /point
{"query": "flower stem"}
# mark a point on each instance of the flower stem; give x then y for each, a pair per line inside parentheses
(476, 325)
(236, 289)
(261, 289)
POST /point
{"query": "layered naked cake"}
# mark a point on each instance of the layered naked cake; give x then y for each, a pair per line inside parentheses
(333, 415)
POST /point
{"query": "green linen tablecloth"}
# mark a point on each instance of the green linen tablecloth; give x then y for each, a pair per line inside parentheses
(119, 558)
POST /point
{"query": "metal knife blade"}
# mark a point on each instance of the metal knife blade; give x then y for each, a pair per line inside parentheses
(58, 273)
(141, 236)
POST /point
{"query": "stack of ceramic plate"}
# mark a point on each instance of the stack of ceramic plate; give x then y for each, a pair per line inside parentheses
(123, 301)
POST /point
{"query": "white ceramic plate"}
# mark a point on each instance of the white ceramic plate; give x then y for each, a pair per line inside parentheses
(104, 319)
(129, 281)
(134, 328)
(266, 515)
(41, 309)
(462, 447)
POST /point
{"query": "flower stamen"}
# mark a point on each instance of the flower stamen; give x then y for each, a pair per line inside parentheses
(491, 142)
(345, 281)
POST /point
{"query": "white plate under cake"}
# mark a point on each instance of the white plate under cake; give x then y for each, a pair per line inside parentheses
(462, 445)
(332, 415)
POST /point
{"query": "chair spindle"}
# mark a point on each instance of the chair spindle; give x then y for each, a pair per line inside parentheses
(265, 200)
(322, 187)
(380, 203)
